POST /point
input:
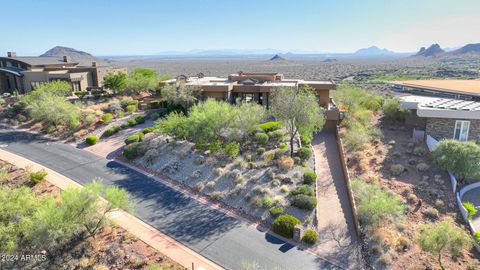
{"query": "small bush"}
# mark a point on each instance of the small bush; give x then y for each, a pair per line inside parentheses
(276, 211)
(38, 176)
(128, 102)
(256, 202)
(309, 178)
(232, 149)
(215, 146)
(284, 225)
(471, 210)
(431, 213)
(283, 146)
(109, 132)
(310, 237)
(393, 110)
(476, 236)
(132, 139)
(397, 169)
(303, 189)
(419, 151)
(270, 126)
(260, 150)
(304, 202)
(276, 135)
(148, 130)
(132, 122)
(91, 140)
(285, 163)
(140, 119)
(281, 153)
(268, 156)
(306, 138)
(267, 202)
(107, 118)
(131, 151)
(21, 118)
(422, 167)
(297, 160)
(304, 153)
(261, 138)
(131, 108)
(199, 187)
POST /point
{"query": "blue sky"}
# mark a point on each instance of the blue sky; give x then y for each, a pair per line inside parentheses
(140, 27)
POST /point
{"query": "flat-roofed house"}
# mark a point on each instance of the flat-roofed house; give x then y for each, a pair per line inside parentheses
(444, 109)
(24, 74)
(257, 87)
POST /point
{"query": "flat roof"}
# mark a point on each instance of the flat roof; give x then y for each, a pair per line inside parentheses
(469, 87)
(436, 107)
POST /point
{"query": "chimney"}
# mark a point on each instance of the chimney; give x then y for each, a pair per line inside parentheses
(11, 54)
(66, 58)
(94, 64)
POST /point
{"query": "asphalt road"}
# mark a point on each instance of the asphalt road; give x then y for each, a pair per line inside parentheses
(221, 238)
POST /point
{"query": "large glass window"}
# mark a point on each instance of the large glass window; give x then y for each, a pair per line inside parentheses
(461, 130)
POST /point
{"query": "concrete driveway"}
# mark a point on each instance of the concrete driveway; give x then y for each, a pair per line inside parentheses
(221, 238)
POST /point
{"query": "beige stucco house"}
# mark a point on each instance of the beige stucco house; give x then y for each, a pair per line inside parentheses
(24, 74)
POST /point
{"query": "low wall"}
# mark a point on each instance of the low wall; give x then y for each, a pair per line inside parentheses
(464, 212)
(351, 199)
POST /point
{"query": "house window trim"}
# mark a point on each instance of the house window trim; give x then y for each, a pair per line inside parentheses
(461, 122)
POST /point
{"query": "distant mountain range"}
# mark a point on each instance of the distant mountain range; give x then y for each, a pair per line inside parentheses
(374, 50)
(80, 57)
(435, 51)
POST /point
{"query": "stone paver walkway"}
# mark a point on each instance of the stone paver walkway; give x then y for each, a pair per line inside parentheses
(336, 229)
(151, 236)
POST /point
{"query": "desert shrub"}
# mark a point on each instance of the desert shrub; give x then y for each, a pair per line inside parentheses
(297, 160)
(21, 118)
(282, 146)
(393, 110)
(431, 212)
(210, 184)
(309, 178)
(132, 122)
(304, 202)
(267, 202)
(215, 146)
(304, 153)
(131, 108)
(284, 225)
(419, 151)
(140, 119)
(397, 169)
(471, 210)
(91, 140)
(270, 126)
(284, 189)
(3, 175)
(276, 135)
(476, 236)
(131, 151)
(109, 132)
(276, 211)
(260, 150)
(148, 130)
(107, 118)
(124, 103)
(461, 158)
(114, 108)
(282, 153)
(356, 137)
(285, 163)
(268, 156)
(375, 206)
(422, 167)
(261, 138)
(133, 138)
(256, 202)
(385, 259)
(38, 176)
(303, 189)
(306, 137)
(2, 101)
(154, 115)
(232, 149)
(310, 237)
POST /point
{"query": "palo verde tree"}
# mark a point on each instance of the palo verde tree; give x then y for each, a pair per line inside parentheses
(441, 237)
(298, 110)
(461, 158)
(115, 81)
(141, 79)
(183, 95)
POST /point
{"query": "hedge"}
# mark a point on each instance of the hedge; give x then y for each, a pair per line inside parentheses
(309, 178)
(284, 224)
(310, 237)
(261, 138)
(304, 202)
(270, 126)
(303, 189)
(91, 140)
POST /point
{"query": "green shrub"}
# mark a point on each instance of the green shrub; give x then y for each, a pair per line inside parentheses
(476, 236)
(148, 130)
(137, 137)
(107, 118)
(461, 158)
(310, 237)
(282, 153)
(270, 126)
(38, 176)
(357, 136)
(2, 101)
(471, 210)
(282, 146)
(306, 138)
(109, 132)
(154, 115)
(276, 211)
(21, 118)
(131, 108)
(284, 225)
(131, 151)
(232, 149)
(276, 135)
(304, 153)
(303, 189)
(91, 140)
(309, 178)
(304, 202)
(215, 146)
(297, 160)
(267, 202)
(132, 122)
(260, 150)
(155, 104)
(128, 102)
(140, 119)
(393, 110)
(261, 138)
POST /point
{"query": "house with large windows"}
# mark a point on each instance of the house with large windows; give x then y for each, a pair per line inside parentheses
(443, 109)
(24, 74)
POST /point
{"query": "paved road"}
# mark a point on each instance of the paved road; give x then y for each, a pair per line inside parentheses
(337, 237)
(223, 239)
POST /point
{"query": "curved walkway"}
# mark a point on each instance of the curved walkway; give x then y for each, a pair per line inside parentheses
(221, 238)
(334, 214)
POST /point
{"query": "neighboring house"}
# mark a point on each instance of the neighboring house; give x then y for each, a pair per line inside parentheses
(444, 109)
(257, 87)
(24, 74)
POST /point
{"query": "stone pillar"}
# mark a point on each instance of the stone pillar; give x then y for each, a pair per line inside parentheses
(297, 233)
